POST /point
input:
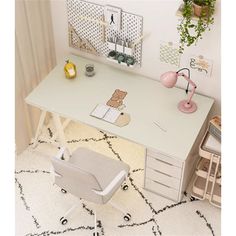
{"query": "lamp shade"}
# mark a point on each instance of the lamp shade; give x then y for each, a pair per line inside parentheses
(169, 79)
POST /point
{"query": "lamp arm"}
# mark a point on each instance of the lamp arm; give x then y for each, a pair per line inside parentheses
(190, 82)
(185, 68)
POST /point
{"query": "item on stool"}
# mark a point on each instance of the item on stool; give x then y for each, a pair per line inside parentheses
(215, 127)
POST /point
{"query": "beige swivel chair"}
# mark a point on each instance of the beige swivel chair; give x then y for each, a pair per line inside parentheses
(91, 176)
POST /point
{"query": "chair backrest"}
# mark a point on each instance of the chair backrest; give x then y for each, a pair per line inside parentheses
(76, 181)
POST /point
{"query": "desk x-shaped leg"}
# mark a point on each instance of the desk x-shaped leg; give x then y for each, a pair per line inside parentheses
(39, 128)
(59, 130)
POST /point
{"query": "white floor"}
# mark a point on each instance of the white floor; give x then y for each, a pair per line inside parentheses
(39, 204)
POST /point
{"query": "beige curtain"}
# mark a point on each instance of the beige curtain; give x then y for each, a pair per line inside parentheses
(34, 58)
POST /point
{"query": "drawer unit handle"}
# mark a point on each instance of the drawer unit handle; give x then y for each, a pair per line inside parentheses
(164, 158)
(161, 183)
(163, 166)
(163, 161)
(162, 173)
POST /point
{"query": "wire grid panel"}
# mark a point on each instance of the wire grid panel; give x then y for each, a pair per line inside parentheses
(131, 27)
(86, 29)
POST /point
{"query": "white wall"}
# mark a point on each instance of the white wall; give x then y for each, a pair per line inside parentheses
(160, 21)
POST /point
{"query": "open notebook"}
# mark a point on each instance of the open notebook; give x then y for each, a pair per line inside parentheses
(106, 113)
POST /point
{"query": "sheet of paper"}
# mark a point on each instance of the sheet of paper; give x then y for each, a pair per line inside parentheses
(106, 113)
(100, 111)
(112, 115)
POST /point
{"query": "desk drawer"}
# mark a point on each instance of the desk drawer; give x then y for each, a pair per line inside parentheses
(162, 178)
(154, 153)
(161, 189)
(163, 167)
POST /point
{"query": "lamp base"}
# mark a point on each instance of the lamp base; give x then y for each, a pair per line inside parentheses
(187, 108)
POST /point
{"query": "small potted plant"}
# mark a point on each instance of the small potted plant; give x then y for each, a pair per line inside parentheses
(190, 29)
(200, 7)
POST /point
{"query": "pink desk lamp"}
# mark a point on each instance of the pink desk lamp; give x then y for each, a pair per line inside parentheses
(169, 80)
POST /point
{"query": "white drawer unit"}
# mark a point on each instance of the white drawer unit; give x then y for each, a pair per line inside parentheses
(163, 175)
(168, 176)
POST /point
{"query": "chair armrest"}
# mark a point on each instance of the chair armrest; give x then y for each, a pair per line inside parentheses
(112, 184)
(54, 174)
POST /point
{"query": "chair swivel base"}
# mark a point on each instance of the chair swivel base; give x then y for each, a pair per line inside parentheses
(124, 186)
(127, 217)
(63, 190)
(63, 220)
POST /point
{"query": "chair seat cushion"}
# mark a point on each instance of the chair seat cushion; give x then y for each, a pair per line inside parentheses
(104, 168)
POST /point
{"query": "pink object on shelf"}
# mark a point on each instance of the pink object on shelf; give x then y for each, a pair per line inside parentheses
(169, 80)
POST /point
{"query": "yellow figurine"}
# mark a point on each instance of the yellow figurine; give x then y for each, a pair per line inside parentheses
(70, 70)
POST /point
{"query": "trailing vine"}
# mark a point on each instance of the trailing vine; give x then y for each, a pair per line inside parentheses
(191, 30)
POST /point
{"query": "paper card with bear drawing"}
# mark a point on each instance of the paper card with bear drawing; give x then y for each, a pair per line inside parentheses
(117, 98)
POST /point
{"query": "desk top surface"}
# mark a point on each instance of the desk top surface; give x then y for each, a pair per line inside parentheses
(147, 102)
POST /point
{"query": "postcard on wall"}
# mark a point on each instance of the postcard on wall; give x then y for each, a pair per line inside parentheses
(200, 64)
(113, 17)
(169, 53)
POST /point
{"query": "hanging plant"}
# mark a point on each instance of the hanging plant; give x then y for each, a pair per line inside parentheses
(190, 29)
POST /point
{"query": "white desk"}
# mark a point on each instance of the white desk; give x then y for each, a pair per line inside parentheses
(147, 101)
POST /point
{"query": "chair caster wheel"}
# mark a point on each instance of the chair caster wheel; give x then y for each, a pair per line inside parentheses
(62, 157)
(127, 217)
(94, 234)
(125, 187)
(63, 221)
(63, 190)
